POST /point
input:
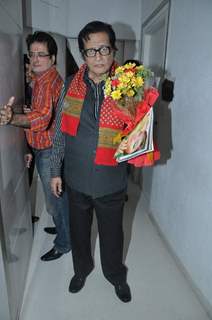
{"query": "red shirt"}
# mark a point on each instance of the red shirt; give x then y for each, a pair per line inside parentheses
(45, 94)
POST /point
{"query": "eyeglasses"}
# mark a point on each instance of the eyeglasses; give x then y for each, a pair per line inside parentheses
(41, 55)
(91, 52)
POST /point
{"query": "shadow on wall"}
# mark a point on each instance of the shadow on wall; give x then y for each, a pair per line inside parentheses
(125, 36)
(162, 135)
(163, 126)
(71, 65)
(162, 114)
(163, 131)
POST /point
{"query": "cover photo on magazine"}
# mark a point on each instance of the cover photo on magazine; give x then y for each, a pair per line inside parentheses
(138, 141)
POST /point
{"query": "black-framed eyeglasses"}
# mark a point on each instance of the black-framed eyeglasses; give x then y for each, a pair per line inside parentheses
(91, 52)
(32, 54)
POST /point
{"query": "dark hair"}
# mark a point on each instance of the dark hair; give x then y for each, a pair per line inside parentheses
(95, 27)
(43, 37)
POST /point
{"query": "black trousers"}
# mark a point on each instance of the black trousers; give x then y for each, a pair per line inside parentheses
(109, 214)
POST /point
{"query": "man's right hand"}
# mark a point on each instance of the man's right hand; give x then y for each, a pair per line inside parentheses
(28, 159)
(6, 113)
(56, 186)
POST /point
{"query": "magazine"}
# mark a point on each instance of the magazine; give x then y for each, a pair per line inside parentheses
(138, 141)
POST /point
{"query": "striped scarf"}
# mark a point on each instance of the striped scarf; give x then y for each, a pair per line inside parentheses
(109, 124)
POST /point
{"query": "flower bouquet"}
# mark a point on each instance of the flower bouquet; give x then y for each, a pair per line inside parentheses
(126, 86)
(133, 104)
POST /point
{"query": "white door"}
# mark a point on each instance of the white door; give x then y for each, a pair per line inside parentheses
(154, 45)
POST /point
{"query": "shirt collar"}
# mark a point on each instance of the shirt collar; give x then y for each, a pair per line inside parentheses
(90, 81)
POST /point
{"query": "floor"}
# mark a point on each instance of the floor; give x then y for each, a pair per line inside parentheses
(159, 289)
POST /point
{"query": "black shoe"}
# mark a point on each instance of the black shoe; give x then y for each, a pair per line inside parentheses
(123, 292)
(35, 219)
(50, 230)
(76, 284)
(53, 254)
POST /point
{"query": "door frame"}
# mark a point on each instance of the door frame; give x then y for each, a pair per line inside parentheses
(158, 17)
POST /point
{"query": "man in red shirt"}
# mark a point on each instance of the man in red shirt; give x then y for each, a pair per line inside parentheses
(39, 124)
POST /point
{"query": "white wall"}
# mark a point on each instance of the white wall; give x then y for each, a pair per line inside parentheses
(61, 55)
(11, 15)
(15, 213)
(148, 8)
(180, 198)
(68, 17)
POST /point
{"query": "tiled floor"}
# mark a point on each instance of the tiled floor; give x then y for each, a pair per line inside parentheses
(159, 290)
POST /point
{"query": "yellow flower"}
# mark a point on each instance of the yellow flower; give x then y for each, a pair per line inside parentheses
(127, 81)
(124, 79)
(129, 65)
(138, 82)
(116, 95)
(130, 74)
(108, 87)
(130, 93)
(108, 91)
(139, 68)
(119, 70)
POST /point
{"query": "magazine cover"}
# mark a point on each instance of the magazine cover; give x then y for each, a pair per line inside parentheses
(139, 141)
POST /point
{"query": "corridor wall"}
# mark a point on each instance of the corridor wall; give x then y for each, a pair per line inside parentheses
(15, 219)
(178, 191)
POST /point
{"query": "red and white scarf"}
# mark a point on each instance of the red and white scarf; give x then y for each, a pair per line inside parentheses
(109, 124)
